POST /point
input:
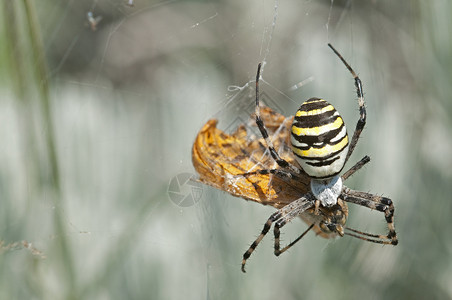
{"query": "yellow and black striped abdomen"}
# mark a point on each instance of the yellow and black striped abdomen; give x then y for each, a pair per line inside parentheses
(319, 139)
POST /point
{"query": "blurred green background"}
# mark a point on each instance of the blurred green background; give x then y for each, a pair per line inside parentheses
(96, 123)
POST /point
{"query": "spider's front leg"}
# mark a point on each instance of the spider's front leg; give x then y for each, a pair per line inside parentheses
(276, 232)
(281, 218)
(379, 203)
(275, 216)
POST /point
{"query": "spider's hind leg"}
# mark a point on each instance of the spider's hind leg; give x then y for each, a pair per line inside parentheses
(356, 167)
(278, 172)
(260, 124)
(362, 108)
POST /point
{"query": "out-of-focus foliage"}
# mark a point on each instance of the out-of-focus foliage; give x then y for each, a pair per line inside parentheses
(96, 123)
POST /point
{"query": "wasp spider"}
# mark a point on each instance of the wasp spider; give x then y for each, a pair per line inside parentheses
(321, 146)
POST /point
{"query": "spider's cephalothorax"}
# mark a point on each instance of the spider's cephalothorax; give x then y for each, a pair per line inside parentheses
(321, 147)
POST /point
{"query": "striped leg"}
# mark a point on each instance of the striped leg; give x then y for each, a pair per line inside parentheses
(379, 203)
(356, 167)
(264, 231)
(362, 109)
(260, 124)
(277, 233)
(280, 218)
(278, 172)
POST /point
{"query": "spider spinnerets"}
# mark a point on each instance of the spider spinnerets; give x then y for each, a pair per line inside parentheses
(321, 147)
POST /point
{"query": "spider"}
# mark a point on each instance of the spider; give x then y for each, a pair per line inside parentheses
(321, 146)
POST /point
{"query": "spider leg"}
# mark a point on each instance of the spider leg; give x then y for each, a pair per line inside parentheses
(356, 167)
(374, 238)
(362, 109)
(278, 172)
(275, 216)
(379, 203)
(280, 218)
(260, 124)
(277, 243)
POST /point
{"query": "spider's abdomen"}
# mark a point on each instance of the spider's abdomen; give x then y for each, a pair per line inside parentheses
(319, 139)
